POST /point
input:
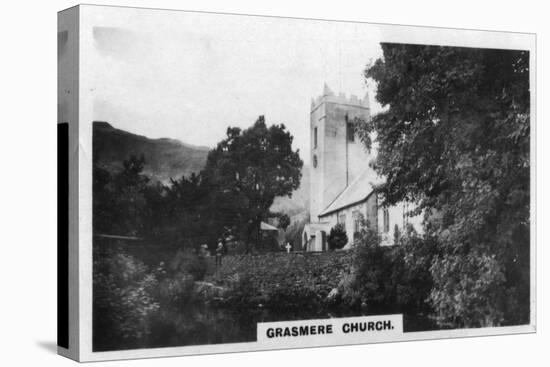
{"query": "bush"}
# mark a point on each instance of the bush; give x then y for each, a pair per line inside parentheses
(337, 237)
(243, 292)
(470, 302)
(396, 277)
(418, 253)
(377, 273)
(176, 290)
(189, 263)
(123, 302)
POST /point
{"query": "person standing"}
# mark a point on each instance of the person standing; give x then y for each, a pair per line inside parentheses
(219, 253)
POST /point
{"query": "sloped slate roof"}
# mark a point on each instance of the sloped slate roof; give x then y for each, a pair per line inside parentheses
(355, 192)
(267, 227)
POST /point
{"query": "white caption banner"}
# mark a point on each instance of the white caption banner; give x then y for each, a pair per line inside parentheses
(363, 329)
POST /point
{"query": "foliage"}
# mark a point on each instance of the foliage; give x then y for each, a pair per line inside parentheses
(243, 291)
(176, 290)
(178, 218)
(230, 197)
(377, 272)
(189, 263)
(123, 301)
(284, 221)
(246, 171)
(418, 253)
(337, 237)
(477, 298)
(390, 277)
(455, 140)
(118, 199)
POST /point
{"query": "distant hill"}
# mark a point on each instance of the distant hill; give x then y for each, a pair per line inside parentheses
(169, 158)
(299, 202)
(164, 158)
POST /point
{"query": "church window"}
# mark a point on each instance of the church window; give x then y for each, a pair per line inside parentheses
(386, 218)
(315, 138)
(356, 222)
(342, 220)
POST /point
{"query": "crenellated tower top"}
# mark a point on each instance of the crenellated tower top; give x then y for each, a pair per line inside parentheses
(329, 96)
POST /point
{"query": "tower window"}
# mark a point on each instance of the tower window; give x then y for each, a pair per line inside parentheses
(315, 138)
(350, 130)
(386, 217)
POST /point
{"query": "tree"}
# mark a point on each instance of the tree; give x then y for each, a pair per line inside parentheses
(102, 191)
(119, 203)
(377, 273)
(284, 221)
(129, 203)
(247, 170)
(455, 139)
(337, 237)
(177, 213)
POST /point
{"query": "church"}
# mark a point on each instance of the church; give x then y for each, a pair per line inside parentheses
(341, 190)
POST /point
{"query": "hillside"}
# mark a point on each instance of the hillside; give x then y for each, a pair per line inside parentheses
(169, 158)
(164, 158)
(299, 201)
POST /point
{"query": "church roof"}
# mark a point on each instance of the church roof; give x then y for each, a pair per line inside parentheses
(356, 192)
(267, 227)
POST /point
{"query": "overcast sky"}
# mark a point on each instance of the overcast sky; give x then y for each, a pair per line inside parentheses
(189, 76)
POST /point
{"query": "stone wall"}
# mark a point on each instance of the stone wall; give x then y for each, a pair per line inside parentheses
(311, 271)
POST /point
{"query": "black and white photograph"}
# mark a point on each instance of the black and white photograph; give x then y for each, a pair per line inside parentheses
(254, 181)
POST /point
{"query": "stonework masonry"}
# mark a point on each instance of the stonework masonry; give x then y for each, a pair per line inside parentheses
(341, 187)
(337, 155)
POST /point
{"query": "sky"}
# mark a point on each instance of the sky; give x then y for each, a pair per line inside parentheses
(189, 76)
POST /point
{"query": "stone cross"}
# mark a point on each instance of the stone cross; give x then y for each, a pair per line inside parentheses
(288, 247)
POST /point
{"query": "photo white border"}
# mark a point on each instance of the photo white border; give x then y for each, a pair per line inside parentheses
(89, 15)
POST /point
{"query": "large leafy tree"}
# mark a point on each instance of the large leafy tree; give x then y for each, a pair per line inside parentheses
(119, 200)
(246, 171)
(455, 139)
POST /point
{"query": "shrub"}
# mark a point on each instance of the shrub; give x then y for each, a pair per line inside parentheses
(377, 273)
(395, 277)
(470, 302)
(284, 221)
(190, 263)
(176, 290)
(243, 292)
(337, 237)
(123, 302)
(418, 253)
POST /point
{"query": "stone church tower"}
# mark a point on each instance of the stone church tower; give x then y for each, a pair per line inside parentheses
(337, 155)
